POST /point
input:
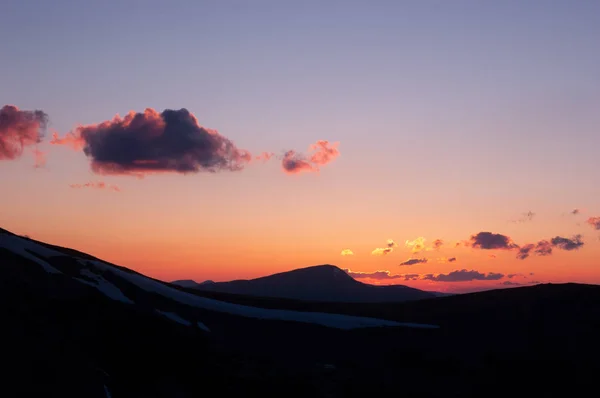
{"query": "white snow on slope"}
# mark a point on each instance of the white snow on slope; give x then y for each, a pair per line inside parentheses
(330, 320)
(174, 317)
(23, 247)
(105, 287)
(203, 327)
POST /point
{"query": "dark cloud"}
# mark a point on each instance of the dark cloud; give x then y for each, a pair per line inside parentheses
(437, 243)
(391, 243)
(463, 276)
(452, 259)
(594, 222)
(510, 283)
(573, 243)
(20, 129)
(523, 252)
(323, 152)
(543, 248)
(575, 211)
(153, 142)
(490, 241)
(412, 261)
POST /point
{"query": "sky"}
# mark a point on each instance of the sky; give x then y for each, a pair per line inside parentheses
(270, 135)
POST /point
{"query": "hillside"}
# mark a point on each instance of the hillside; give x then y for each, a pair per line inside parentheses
(75, 326)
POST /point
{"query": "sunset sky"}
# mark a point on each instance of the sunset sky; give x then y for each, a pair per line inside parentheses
(430, 119)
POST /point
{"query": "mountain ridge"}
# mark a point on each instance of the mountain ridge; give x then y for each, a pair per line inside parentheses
(324, 282)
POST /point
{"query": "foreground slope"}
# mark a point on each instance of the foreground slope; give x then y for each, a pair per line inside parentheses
(317, 283)
(76, 329)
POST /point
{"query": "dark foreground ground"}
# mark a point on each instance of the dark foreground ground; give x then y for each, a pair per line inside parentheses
(62, 339)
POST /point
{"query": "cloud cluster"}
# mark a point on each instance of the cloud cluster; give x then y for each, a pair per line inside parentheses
(493, 241)
(462, 275)
(382, 251)
(20, 129)
(320, 153)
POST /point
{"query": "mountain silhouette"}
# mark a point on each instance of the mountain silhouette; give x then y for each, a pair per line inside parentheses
(317, 283)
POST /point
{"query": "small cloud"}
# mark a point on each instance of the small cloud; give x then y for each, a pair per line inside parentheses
(492, 255)
(594, 222)
(323, 152)
(444, 260)
(347, 252)
(573, 243)
(413, 261)
(437, 244)
(575, 211)
(510, 283)
(463, 276)
(416, 245)
(491, 241)
(265, 156)
(96, 185)
(382, 251)
(525, 217)
(391, 243)
(20, 129)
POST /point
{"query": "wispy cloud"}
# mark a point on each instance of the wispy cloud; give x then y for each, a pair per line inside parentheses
(97, 185)
(379, 275)
(594, 222)
(525, 217)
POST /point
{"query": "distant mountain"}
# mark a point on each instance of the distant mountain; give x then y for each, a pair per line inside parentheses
(318, 283)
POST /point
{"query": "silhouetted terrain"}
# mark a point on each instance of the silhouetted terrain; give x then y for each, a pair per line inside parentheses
(74, 326)
(318, 283)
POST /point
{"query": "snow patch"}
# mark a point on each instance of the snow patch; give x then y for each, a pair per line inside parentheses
(174, 317)
(104, 286)
(23, 247)
(337, 321)
(203, 326)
